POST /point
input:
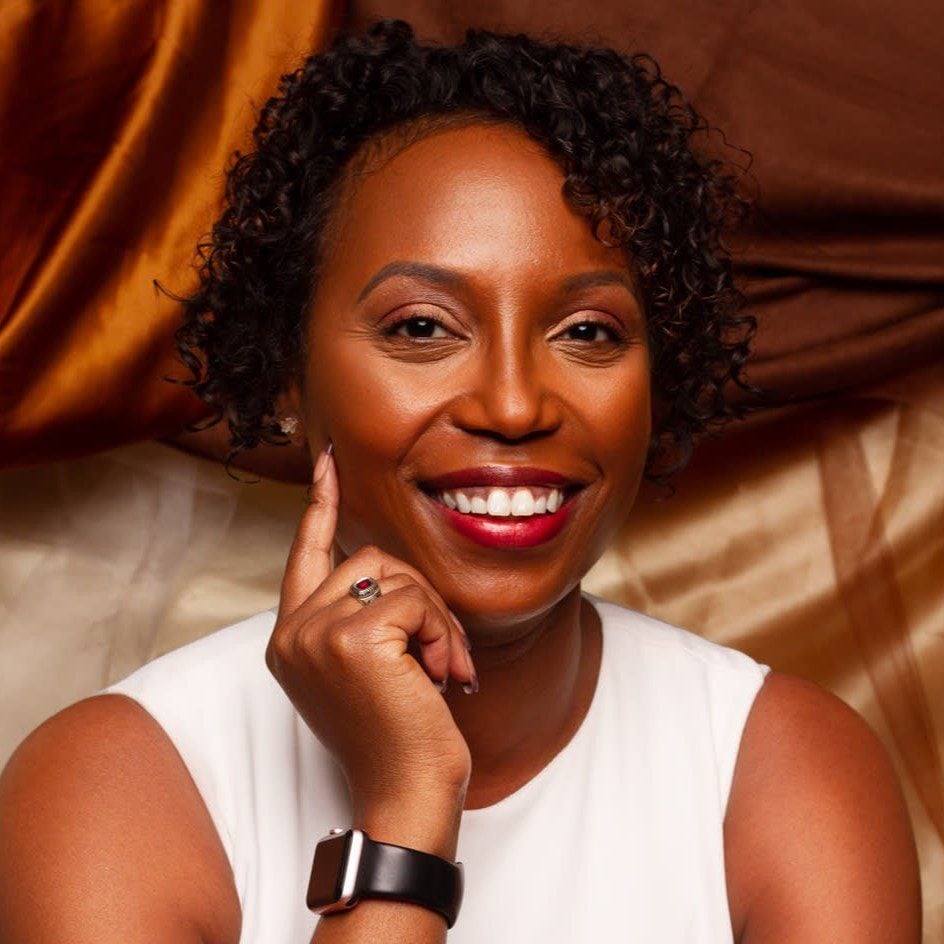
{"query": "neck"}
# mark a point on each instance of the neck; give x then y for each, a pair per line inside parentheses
(536, 685)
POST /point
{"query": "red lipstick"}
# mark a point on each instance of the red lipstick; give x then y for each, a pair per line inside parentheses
(508, 532)
(511, 531)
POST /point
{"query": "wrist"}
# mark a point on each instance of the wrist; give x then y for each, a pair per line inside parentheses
(350, 866)
(428, 822)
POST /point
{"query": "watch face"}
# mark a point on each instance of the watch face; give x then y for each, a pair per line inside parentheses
(327, 872)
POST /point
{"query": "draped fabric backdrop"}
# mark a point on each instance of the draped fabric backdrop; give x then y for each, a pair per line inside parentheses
(811, 537)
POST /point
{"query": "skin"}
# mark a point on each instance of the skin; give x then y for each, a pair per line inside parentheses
(817, 841)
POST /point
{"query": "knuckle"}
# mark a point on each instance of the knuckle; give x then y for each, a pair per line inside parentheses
(396, 581)
(342, 643)
(410, 593)
(314, 500)
(306, 641)
(279, 650)
(368, 554)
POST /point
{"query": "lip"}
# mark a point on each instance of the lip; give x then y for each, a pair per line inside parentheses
(506, 476)
(507, 533)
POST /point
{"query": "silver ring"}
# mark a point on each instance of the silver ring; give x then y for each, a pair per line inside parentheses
(366, 589)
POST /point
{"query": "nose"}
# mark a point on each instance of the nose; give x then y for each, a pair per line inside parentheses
(511, 394)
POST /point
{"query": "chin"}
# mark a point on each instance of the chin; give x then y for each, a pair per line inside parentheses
(491, 606)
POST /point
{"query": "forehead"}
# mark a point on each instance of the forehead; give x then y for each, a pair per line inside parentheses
(482, 198)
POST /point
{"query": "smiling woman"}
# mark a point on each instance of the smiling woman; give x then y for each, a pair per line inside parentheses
(486, 285)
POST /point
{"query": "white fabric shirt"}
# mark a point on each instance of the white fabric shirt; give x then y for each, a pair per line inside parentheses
(618, 839)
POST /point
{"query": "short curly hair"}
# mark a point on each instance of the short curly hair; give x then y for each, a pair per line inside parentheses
(623, 137)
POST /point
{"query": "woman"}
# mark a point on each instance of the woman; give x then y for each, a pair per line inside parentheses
(485, 285)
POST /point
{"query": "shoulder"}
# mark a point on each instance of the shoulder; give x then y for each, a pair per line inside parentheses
(671, 644)
(818, 842)
(104, 834)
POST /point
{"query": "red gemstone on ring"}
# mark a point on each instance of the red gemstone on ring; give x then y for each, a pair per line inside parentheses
(364, 584)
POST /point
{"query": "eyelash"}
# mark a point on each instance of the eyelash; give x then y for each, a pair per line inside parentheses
(391, 331)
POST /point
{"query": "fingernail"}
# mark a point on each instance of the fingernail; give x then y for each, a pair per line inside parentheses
(441, 686)
(322, 464)
(470, 688)
(465, 639)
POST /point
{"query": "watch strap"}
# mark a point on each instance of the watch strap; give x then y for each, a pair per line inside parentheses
(395, 872)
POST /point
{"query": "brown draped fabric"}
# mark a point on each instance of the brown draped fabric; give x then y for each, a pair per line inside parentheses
(812, 537)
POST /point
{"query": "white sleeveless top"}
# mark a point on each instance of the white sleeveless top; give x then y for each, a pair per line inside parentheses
(618, 839)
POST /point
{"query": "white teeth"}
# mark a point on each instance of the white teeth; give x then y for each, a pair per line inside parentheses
(503, 502)
(522, 503)
(499, 504)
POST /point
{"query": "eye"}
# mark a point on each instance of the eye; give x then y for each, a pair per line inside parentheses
(419, 327)
(589, 331)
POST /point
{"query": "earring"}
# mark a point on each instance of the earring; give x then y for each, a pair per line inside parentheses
(289, 425)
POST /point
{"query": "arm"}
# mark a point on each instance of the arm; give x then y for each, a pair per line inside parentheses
(348, 671)
(105, 838)
(817, 837)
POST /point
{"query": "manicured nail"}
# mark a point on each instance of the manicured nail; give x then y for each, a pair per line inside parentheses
(465, 639)
(441, 686)
(322, 464)
(470, 688)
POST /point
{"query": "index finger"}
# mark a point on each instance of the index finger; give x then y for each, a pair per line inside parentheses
(309, 560)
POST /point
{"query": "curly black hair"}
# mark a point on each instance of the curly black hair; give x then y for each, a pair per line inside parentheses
(623, 136)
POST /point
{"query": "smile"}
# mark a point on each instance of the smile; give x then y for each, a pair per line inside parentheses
(504, 507)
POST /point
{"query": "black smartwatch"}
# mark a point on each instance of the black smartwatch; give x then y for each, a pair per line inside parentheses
(349, 865)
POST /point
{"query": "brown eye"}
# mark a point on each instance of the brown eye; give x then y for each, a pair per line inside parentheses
(591, 331)
(420, 328)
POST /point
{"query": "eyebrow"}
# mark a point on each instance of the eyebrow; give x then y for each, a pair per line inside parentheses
(599, 277)
(416, 270)
(448, 278)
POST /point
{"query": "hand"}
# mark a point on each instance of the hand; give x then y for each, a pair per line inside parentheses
(347, 670)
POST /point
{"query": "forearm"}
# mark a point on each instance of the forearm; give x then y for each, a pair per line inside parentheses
(432, 826)
(375, 920)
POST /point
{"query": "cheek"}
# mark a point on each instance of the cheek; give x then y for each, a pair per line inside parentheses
(620, 425)
(374, 413)
(620, 414)
(363, 400)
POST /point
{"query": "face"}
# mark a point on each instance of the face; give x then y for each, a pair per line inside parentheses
(469, 334)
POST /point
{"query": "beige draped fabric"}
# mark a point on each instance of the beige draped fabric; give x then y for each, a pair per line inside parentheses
(811, 538)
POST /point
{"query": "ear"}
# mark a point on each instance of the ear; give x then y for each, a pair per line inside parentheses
(311, 433)
(289, 406)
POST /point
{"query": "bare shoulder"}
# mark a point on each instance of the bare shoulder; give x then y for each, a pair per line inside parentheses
(818, 842)
(104, 836)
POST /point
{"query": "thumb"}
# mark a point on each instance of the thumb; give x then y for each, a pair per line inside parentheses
(309, 560)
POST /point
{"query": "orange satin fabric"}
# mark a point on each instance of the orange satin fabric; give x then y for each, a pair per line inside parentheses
(116, 121)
